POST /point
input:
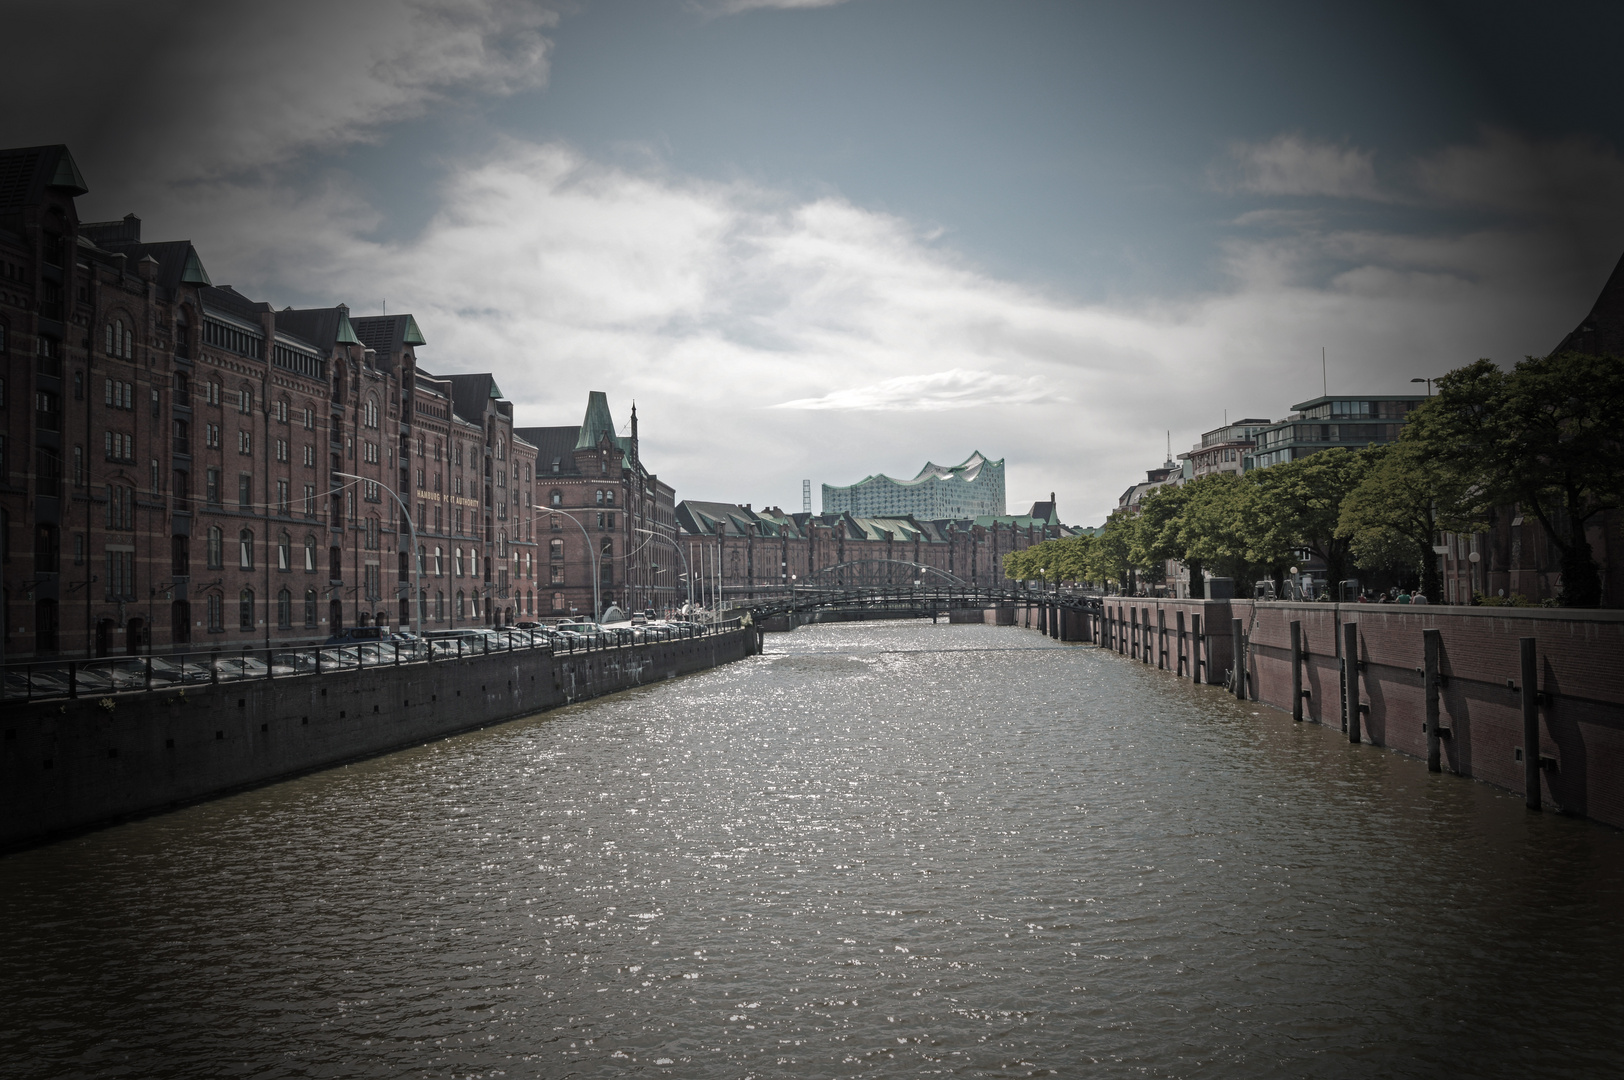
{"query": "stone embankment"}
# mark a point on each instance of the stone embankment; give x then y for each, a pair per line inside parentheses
(1561, 745)
(69, 765)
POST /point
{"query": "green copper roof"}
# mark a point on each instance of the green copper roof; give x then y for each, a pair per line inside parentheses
(193, 273)
(66, 176)
(346, 332)
(597, 422)
(414, 336)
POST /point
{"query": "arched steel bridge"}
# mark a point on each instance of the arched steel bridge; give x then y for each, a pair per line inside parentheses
(923, 591)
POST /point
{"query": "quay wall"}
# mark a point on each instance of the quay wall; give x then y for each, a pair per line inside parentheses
(70, 765)
(1580, 659)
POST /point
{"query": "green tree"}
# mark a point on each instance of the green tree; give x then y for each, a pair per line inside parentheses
(1393, 517)
(1157, 531)
(1547, 435)
(1300, 506)
(1110, 557)
(1218, 527)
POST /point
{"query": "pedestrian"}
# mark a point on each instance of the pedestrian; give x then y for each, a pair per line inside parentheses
(1403, 597)
(1418, 597)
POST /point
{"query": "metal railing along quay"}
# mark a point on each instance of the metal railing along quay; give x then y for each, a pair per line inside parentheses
(45, 680)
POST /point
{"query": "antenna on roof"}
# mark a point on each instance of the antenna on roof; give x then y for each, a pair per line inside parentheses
(1325, 380)
(386, 307)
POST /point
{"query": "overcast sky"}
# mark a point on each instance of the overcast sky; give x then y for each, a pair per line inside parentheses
(819, 240)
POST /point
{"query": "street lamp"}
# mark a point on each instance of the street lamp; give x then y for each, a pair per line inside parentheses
(1429, 385)
(686, 573)
(417, 565)
(596, 606)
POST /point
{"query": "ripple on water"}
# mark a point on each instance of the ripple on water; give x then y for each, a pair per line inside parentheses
(881, 848)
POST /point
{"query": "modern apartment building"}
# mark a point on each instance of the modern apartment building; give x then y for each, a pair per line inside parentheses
(1323, 422)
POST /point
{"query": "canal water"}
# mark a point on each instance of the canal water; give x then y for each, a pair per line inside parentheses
(889, 849)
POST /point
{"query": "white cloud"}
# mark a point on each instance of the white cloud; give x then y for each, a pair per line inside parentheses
(1294, 165)
(734, 7)
(226, 88)
(767, 339)
(955, 389)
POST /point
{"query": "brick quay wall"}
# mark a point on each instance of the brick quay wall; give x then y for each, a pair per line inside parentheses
(1579, 659)
(71, 765)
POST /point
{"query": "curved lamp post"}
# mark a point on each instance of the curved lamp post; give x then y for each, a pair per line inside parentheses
(597, 606)
(417, 564)
(686, 573)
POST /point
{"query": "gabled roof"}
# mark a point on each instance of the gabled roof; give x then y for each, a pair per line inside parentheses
(471, 394)
(325, 328)
(27, 172)
(386, 333)
(552, 444)
(1601, 333)
(178, 261)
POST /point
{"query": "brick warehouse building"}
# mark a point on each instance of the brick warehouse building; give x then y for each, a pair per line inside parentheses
(183, 467)
(602, 513)
(737, 553)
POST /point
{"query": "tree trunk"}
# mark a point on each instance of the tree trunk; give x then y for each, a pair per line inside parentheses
(1581, 581)
(1198, 580)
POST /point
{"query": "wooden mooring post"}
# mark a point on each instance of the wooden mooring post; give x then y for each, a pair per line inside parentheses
(1180, 645)
(1237, 659)
(1350, 678)
(1296, 670)
(1431, 646)
(1197, 655)
(1530, 713)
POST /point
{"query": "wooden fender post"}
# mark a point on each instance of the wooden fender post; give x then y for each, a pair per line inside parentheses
(1237, 659)
(1431, 646)
(1350, 668)
(1530, 712)
(1296, 670)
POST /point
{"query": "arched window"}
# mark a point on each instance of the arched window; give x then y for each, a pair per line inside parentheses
(370, 413)
(473, 562)
(120, 342)
(284, 610)
(439, 606)
(310, 554)
(217, 612)
(529, 603)
(456, 561)
(556, 498)
(558, 601)
(439, 563)
(245, 399)
(555, 550)
(609, 497)
(310, 608)
(600, 496)
(245, 549)
(501, 450)
(245, 610)
(284, 552)
(462, 606)
(420, 559)
(501, 544)
(608, 548)
(216, 546)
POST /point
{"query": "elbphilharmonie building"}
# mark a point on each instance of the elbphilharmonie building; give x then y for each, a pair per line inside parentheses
(972, 489)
